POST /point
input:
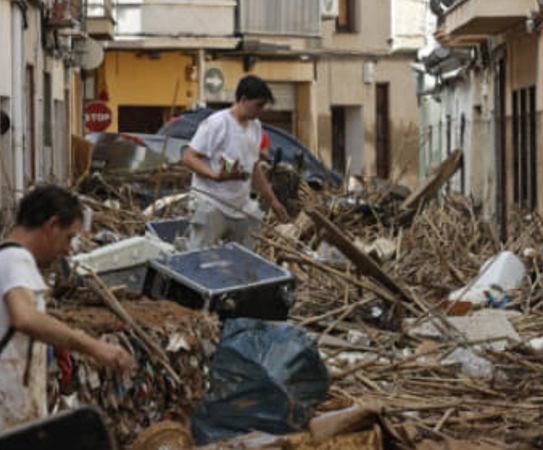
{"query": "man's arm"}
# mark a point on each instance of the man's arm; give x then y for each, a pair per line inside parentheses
(260, 183)
(42, 327)
(199, 164)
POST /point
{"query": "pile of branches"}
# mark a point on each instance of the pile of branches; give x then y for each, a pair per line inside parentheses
(358, 316)
(359, 319)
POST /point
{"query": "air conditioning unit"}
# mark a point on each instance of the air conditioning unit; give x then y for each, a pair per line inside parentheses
(329, 9)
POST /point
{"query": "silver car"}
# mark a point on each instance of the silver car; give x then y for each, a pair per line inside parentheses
(132, 152)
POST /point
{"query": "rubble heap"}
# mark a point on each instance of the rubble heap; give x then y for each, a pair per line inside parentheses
(390, 332)
(449, 373)
(134, 402)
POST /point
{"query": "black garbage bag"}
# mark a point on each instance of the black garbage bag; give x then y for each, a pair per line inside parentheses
(266, 377)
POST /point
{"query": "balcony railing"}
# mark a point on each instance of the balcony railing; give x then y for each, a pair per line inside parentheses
(99, 8)
(174, 17)
(470, 21)
(100, 23)
(409, 24)
(280, 17)
(289, 18)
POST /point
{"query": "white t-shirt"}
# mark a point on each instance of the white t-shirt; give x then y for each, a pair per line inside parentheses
(222, 135)
(19, 404)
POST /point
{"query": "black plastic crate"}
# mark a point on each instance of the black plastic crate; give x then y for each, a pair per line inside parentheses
(168, 229)
(131, 277)
(80, 429)
(230, 280)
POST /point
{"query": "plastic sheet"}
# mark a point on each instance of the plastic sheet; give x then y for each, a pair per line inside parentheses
(264, 377)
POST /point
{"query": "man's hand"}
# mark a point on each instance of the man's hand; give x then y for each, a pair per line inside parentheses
(113, 356)
(231, 171)
(199, 164)
(261, 183)
(280, 210)
(42, 327)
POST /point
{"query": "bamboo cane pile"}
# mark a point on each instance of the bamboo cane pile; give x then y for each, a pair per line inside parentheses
(359, 318)
(441, 250)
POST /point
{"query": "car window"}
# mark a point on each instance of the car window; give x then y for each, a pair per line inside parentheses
(185, 125)
(180, 128)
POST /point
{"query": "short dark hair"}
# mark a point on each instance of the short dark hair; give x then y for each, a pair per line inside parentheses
(46, 201)
(252, 87)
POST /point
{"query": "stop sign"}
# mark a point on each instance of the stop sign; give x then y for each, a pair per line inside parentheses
(97, 116)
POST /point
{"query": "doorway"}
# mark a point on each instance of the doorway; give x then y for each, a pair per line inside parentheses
(141, 119)
(382, 130)
(338, 139)
(501, 160)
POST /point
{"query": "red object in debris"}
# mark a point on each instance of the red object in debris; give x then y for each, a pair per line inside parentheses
(97, 116)
(265, 143)
(65, 363)
(135, 139)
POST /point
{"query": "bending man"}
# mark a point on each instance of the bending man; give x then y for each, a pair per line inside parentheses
(47, 220)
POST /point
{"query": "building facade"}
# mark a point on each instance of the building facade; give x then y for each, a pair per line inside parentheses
(484, 96)
(171, 56)
(40, 67)
(340, 71)
(367, 103)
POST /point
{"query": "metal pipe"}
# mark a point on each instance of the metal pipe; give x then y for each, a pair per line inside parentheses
(201, 84)
(18, 77)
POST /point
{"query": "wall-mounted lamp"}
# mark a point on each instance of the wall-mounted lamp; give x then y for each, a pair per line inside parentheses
(369, 72)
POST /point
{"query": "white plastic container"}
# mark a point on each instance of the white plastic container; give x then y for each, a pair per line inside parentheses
(123, 254)
(504, 270)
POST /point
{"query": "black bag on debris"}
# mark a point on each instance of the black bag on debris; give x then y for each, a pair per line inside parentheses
(266, 377)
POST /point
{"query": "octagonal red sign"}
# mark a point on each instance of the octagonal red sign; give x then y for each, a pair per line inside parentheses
(97, 116)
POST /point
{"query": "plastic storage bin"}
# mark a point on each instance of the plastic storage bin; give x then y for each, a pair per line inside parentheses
(230, 280)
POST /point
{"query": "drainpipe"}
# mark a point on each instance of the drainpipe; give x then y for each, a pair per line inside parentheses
(201, 86)
(539, 200)
(18, 23)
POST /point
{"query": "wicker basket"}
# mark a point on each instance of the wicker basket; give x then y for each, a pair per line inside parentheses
(166, 434)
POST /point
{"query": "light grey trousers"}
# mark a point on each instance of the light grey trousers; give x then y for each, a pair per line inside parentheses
(209, 226)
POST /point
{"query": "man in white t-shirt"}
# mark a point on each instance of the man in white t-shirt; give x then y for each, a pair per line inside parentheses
(47, 220)
(224, 156)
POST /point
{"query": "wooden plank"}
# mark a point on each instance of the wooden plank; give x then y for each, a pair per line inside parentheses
(334, 423)
(434, 182)
(362, 261)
